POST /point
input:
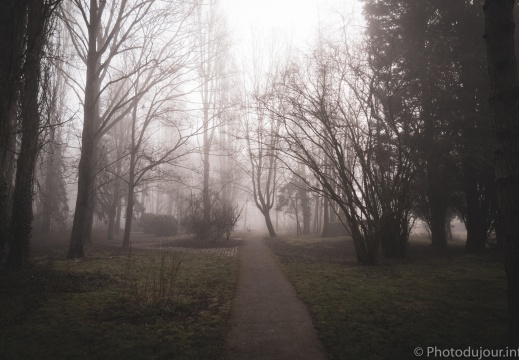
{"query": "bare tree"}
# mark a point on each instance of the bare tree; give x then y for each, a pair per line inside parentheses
(262, 168)
(118, 139)
(212, 46)
(337, 121)
(159, 109)
(261, 127)
(102, 34)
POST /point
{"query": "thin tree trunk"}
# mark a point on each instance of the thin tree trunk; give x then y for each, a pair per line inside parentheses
(296, 212)
(206, 200)
(476, 232)
(129, 216)
(504, 103)
(115, 211)
(316, 215)
(48, 198)
(245, 215)
(326, 218)
(130, 201)
(131, 182)
(117, 228)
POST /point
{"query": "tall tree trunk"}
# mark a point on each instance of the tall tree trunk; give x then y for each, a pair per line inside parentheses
(85, 180)
(21, 218)
(131, 184)
(12, 29)
(86, 161)
(504, 103)
(48, 198)
(206, 199)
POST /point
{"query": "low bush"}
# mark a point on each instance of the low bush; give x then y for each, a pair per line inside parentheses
(224, 217)
(160, 225)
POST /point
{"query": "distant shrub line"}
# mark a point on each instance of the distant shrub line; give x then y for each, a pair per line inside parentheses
(160, 225)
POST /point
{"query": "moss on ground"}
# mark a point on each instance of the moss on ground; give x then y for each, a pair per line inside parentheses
(444, 298)
(112, 305)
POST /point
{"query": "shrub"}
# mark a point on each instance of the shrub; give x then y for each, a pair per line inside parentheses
(224, 217)
(160, 225)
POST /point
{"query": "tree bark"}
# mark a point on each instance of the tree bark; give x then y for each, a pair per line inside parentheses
(85, 176)
(129, 216)
(131, 183)
(268, 222)
(22, 215)
(206, 199)
(12, 26)
(504, 104)
(307, 212)
(48, 195)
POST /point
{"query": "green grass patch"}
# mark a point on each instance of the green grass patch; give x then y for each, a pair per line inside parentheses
(151, 304)
(444, 298)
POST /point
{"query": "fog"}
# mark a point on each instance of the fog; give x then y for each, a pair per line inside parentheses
(277, 179)
(303, 117)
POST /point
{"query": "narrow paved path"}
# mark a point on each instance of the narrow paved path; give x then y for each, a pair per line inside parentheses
(268, 321)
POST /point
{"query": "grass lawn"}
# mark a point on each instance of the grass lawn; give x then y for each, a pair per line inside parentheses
(146, 304)
(442, 298)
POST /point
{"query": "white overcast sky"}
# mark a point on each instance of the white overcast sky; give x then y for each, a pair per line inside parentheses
(297, 20)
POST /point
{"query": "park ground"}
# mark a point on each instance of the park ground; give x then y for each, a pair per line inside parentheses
(172, 298)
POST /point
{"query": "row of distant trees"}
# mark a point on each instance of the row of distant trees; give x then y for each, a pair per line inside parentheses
(390, 127)
(130, 70)
(372, 130)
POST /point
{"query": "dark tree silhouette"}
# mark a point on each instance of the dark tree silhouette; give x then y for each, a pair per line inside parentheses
(12, 31)
(429, 47)
(39, 17)
(504, 104)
